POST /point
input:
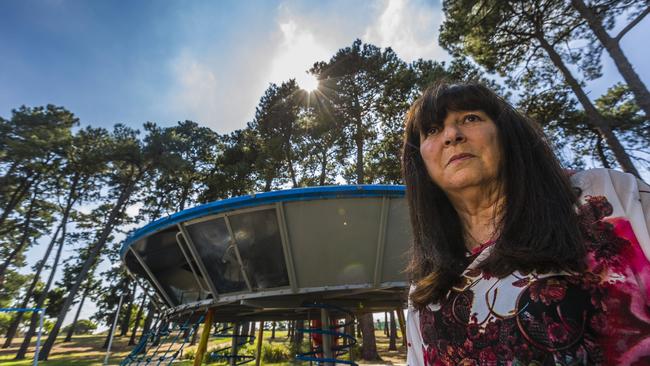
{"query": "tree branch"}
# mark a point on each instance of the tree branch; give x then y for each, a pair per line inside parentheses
(631, 25)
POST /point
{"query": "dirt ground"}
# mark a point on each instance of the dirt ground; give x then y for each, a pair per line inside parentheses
(86, 350)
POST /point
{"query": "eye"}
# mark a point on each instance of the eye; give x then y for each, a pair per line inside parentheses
(433, 130)
(471, 118)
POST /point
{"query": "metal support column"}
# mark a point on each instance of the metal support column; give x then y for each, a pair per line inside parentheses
(38, 339)
(402, 325)
(260, 336)
(205, 336)
(110, 341)
(327, 337)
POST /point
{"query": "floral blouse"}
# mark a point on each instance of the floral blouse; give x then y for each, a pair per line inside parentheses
(601, 317)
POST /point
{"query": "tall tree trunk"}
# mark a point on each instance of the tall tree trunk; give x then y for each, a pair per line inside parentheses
(9, 173)
(600, 150)
(596, 119)
(392, 343)
(124, 327)
(92, 257)
(243, 333)
(20, 193)
(292, 172)
(183, 200)
(17, 196)
(273, 330)
(194, 336)
(386, 323)
(358, 327)
(290, 326)
(369, 345)
(148, 320)
(349, 328)
(24, 240)
(613, 47)
(251, 334)
(138, 316)
(68, 337)
(323, 168)
(13, 327)
(41, 299)
(298, 336)
(358, 140)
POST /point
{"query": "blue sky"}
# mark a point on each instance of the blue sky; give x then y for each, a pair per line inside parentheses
(208, 61)
(165, 61)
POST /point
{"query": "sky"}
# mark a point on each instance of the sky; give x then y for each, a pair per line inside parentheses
(208, 61)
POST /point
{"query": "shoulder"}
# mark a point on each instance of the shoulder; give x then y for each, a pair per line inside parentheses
(623, 190)
(603, 180)
(622, 199)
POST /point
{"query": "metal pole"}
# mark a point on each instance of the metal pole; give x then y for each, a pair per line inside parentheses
(327, 338)
(110, 341)
(260, 335)
(205, 336)
(38, 338)
(234, 350)
(402, 325)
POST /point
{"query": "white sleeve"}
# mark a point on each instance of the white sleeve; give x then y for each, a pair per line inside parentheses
(414, 343)
(629, 197)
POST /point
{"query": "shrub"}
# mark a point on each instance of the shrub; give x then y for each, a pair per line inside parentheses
(274, 353)
(355, 351)
(83, 326)
(189, 353)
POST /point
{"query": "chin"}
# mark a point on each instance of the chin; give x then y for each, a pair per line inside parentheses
(463, 180)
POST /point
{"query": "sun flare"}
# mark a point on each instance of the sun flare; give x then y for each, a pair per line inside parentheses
(307, 82)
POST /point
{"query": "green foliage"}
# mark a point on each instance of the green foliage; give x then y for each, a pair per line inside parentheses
(5, 320)
(233, 172)
(189, 353)
(11, 287)
(533, 45)
(48, 325)
(275, 352)
(82, 326)
(355, 352)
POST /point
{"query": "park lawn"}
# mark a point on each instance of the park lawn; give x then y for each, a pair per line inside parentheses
(86, 350)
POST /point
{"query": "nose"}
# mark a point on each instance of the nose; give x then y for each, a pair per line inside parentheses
(453, 136)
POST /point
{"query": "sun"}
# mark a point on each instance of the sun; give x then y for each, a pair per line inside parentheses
(307, 82)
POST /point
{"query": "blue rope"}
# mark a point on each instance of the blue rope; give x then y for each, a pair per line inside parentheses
(222, 353)
(338, 350)
(19, 310)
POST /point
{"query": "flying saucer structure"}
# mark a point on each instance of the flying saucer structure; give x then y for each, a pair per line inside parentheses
(268, 255)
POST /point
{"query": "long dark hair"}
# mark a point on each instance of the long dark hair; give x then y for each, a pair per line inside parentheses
(538, 225)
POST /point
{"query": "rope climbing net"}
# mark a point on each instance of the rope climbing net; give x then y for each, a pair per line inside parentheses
(166, 340)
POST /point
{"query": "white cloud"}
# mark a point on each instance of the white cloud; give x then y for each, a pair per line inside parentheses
(296, 53)
(409, 27)
(197, 89)
(220, 87)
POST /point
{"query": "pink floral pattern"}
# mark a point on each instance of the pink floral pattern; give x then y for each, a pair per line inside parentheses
(601, 317)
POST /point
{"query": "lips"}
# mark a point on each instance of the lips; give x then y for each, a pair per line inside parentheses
(460, 157)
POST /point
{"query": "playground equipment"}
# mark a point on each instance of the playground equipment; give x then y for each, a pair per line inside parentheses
(310, 253)
(324, 351)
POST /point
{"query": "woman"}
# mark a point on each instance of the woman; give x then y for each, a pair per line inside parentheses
(515, 261)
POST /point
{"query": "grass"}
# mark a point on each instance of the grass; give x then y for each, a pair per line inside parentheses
(86, 350)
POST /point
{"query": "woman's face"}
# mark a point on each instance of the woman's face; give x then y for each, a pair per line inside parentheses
(462, 153)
